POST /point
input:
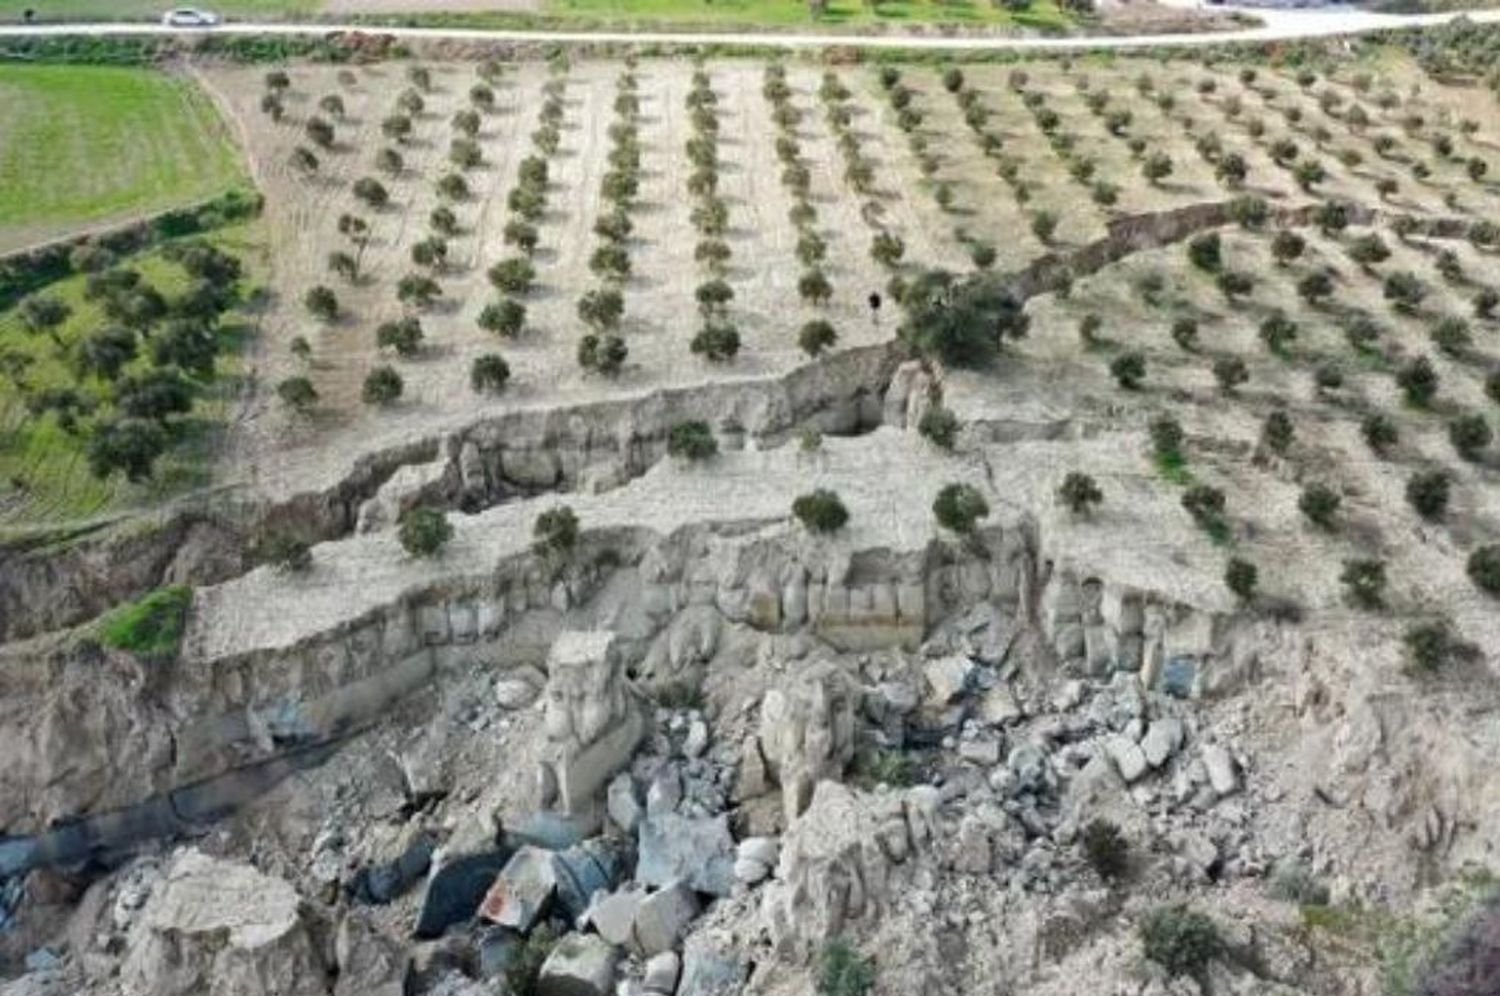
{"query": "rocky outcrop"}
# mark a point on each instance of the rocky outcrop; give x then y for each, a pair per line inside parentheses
(837, 861)
(223, 929)
(807, 732)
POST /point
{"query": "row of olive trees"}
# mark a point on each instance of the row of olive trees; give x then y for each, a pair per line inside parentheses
(813, 285)
(602, 349)
(718, 340)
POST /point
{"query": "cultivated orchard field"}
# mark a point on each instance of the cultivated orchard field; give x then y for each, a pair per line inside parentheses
(897, 169)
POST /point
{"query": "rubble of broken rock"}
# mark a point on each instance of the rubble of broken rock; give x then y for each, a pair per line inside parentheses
(555, 831)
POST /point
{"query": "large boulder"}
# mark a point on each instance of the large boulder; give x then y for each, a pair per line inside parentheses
(219, 928)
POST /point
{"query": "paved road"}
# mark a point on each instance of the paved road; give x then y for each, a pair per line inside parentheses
(1279, 25)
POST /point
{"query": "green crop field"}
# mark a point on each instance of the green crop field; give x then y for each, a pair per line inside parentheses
(44, 471)
(88, 144)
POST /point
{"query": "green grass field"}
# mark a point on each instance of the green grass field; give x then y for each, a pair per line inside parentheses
(1044, 14)
(44, 475)
(86, 144)
(794, 13)
(131, 10)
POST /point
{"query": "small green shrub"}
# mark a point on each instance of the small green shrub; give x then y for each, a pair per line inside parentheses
(424, 531)
(1365, 582)
(692, 441)
(1484, 568)
(940, 426)
(1320, 504)
(555, 531)
(1241, 577)
(1292, 881)
(1430, 646)
(1080, 493)
(152, 626)
(843, 971)
(1106, 849)
(1181, 940)
(821, 511)
(1428, 491)
(959, 507)
(284, 551)
(1129, 369)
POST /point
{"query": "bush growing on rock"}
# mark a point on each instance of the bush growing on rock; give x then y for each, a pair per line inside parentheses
(1180, 940)
(152, 626)
(821, 511)
(959, 507)
(555, 531)
(284, 551)
(692, 441)
(1106, 849)
(843, 971)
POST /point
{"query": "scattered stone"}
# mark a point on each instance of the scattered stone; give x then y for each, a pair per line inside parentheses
(1178, 677)
(709, 968)
(580, 965)
(750, 871)
(382, 883)
(697, 739)
(1222, 774)
(1162, 740)
(999, 706)
(751, 781)
(696, 850)
(1128, 758)
(519, 688)
(613, 915)
(622, 804)
(766, 850)
(983, 751)
(661, 973)
(520, 894)
(455, 892)
(663, 917)
(947, 678)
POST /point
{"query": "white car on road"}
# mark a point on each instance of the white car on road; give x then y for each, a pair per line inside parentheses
(189, 17)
